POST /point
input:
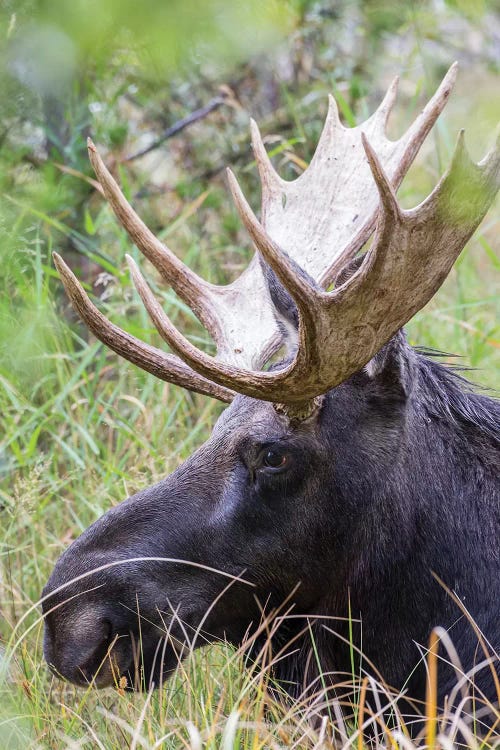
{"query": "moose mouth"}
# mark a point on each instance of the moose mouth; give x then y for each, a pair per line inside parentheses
(133, 660)
(127, 664)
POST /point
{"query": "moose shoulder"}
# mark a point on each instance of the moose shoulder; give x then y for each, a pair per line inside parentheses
(350, 492)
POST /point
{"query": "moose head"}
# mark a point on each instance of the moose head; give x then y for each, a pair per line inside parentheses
(314, 488)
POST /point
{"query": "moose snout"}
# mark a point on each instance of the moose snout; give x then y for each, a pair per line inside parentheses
(88, 648)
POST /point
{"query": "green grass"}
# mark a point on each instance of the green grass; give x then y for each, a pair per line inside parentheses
(80, 430)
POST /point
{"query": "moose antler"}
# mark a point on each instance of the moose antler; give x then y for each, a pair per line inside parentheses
(163, 366)
(325, 216)
(310, 228)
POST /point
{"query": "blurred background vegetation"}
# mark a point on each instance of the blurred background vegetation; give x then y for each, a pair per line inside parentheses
(166, 90)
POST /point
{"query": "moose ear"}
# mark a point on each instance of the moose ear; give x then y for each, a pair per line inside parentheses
(348, 270)
(390, 373)
(284, 305)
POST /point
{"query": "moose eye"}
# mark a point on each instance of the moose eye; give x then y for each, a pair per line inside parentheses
(275, 459)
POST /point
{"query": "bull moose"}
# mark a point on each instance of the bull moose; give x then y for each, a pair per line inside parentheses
(352, 476)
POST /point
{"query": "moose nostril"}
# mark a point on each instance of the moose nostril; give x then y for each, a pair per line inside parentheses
(107, 630)
(92, 659)
(103, 639)
(88, 647)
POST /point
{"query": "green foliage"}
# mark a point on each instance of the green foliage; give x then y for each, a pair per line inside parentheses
(164, 37)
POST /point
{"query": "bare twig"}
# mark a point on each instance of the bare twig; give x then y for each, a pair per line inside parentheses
(193, 117)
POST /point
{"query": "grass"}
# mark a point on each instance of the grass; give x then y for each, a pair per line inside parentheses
(80, 431)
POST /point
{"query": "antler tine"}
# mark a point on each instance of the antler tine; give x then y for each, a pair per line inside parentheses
(385, 189)
(490, 163)
(428, 116)
(465, 191)
(193, 290)
(332, 116)
(270, 180)
(332, 131)
(164, 366)
(290, 275)
(381, 116)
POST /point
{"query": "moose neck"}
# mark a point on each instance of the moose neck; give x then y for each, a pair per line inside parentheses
(403, 493)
